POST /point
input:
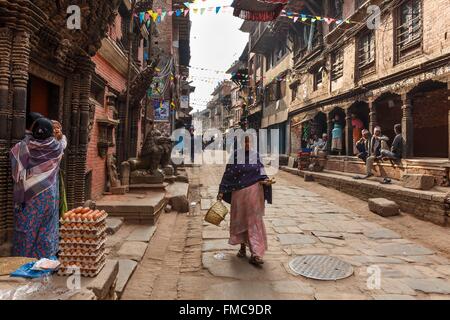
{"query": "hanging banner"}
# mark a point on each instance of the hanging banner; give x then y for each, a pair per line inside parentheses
(162, 109)
(184, 102)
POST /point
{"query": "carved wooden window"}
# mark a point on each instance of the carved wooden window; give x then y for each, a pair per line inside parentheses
(366, 49)
(318, 78)
(409, 28)
(337, 64)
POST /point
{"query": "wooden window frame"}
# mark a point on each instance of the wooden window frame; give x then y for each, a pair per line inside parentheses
(337, 64)
(412, 47)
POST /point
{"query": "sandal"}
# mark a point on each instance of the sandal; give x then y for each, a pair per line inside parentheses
(242, 253)
(255, 260)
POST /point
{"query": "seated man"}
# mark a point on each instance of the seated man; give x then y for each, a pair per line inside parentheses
(362, 145)
(320, 147)
(377, 142)
(396, 151)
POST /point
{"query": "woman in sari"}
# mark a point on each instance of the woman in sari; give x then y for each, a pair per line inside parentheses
(246, 187)
(35, 167)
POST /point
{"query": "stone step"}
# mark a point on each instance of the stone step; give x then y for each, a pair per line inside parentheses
(142, 234)
(126, 270)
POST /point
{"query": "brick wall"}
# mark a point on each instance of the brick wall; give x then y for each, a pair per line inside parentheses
(94, 161)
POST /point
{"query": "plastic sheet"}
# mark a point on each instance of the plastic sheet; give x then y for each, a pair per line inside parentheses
(33, 289)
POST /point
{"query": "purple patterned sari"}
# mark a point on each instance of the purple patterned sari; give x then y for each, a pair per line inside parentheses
(35, 168)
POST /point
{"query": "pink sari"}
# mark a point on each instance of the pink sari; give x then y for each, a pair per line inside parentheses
(247, 225)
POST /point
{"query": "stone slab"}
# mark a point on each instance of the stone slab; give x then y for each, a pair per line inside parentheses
(292, 239)
(113, 225)
(126, 269)
(401, 249)
(215, 234)
(382, 234)
(384, 207)
(262, 290)
(418, 181)
(238, 268)
(142, 233)
(429, 285)
(217, 245)
(133, 250)
(102, 284)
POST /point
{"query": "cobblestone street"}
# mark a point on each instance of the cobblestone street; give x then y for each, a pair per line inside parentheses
(182, 261)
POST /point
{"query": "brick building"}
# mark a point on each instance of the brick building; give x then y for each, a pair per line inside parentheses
(398, 72)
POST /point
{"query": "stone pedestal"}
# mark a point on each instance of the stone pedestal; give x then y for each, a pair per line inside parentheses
(143, 177)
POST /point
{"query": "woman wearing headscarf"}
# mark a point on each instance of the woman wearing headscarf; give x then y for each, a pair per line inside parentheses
(246, 187)
(35, 167)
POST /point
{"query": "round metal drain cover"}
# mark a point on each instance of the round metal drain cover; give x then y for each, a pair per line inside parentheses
(321, 267)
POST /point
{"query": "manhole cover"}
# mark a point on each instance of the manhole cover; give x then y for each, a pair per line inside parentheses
(321, 267)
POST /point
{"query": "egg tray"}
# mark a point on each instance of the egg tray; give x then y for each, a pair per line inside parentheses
(81, 245)
(90, 273)
(102, 218)
(85, 253)
(83, 259)
(84, 265)
(88, 234)
(82, 226)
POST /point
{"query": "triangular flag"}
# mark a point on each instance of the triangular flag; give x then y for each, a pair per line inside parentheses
(295, 19)
(159, 11)
(338, 21)
(303, 18)
(347, 21)
(178, 12)
(217, 9)
(170, 13)
(187, 4)
(186, 12)
(313, 19)
(202, 10)
(141, 17)
(159, 19)
(164, 14)
(318, 18)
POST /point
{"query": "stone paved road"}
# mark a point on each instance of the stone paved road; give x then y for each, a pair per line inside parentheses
(299, 222)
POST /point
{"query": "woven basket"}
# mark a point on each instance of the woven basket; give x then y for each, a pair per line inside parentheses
(216, 214)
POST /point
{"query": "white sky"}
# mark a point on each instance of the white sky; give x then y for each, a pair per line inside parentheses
(216, 42)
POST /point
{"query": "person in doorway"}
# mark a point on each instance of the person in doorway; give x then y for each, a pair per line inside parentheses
(377, 142)
(396, 151)
(358, 126)
(363, 145)
(336, 136)
(35, 166)
(246, 187)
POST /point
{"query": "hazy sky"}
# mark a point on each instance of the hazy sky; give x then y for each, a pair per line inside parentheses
(216, 42)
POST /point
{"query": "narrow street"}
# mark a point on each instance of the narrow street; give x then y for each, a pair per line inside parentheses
(190, 259)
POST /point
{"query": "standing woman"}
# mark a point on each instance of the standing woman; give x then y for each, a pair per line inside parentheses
(246, 187)
(35, 167)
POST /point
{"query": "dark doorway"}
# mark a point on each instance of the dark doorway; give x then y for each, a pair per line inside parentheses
(43, 97)
(430, 107)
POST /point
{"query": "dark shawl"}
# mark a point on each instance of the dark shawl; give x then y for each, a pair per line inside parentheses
(240, 176)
